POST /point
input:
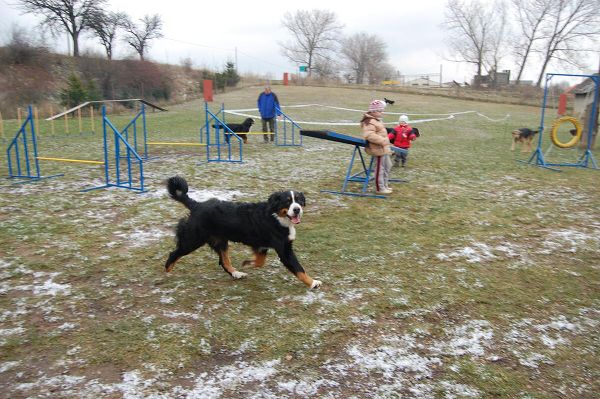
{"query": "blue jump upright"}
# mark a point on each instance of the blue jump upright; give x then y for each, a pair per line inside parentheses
(21, 153)
(219, 146)
(286, 136)
(365, 174)
(118, 175)
(133, 127)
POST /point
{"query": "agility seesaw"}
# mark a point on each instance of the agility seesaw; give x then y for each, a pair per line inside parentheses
(364, 175)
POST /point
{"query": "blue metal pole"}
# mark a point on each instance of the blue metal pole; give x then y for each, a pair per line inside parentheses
(129, 166)
(596, 81)
(141, 174)
(25, 150)
(104, 121)
(207, 125)
(9, 160)
(145, 131)
(17, 156)
(117, 157)
(34, 143)
(349, 168)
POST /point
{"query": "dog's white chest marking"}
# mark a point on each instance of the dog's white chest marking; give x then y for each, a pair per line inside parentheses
(292, 235)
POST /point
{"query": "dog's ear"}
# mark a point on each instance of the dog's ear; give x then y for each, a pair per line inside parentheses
(276, 201)
(299, 196)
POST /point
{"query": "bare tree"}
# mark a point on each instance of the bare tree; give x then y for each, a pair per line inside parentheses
(315, 36)
(364, 54)
(571, 25)
(498, 32)
(470, 29)
(74, 16)
(138, 36)
(326, 68)
(105, 26)
(531, 16)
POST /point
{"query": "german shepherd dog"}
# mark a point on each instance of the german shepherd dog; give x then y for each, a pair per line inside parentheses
(523, 136)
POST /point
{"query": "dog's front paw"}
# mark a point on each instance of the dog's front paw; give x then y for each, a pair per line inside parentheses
(315, 284)
(237, 275)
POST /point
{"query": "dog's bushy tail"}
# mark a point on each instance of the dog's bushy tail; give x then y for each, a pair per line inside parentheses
(178, 189)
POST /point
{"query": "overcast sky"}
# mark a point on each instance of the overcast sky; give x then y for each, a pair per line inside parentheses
(210, 32)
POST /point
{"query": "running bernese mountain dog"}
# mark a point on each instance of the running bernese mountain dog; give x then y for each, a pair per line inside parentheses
(237, 128)
(260, 225)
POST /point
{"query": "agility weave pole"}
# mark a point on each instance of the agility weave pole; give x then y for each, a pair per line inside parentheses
(365, 175)
(586, 160)
(22, 158)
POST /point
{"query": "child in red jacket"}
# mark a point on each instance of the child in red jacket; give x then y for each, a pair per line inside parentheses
(402, 136)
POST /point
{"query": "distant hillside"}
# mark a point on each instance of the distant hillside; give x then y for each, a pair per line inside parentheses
(31, 75)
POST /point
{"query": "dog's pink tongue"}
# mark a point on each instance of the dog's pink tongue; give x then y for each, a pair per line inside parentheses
(295, 219)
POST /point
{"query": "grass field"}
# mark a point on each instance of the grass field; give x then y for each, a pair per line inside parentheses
(479, 277)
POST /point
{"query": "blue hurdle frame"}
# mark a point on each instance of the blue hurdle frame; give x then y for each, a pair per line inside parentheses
(220, 140)
(587, 158)
(133, 126)
(285, 142)
(32, 172)
(130, 154)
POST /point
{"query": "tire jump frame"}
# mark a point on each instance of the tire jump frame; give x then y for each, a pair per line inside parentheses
(365, 174)
(586, 160)
(23, 159)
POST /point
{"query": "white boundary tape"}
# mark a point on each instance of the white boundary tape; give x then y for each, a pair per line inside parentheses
(450, 115)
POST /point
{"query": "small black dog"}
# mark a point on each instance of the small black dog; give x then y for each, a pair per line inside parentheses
(260, 225)
(237, 128)
(391, 102)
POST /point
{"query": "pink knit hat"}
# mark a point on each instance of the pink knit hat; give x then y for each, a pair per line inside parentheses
(376, 106)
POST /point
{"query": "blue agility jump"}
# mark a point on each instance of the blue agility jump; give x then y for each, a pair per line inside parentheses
(219, 146)
(22, 156)
(365, 175)
(21, 153)
(286, 136)
(586, 160)
(121, 176)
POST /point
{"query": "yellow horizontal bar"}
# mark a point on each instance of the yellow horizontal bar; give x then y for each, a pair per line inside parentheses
(69, 160)
(170, 143)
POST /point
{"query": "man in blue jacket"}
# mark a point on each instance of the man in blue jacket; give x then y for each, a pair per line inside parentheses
(267, 101)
